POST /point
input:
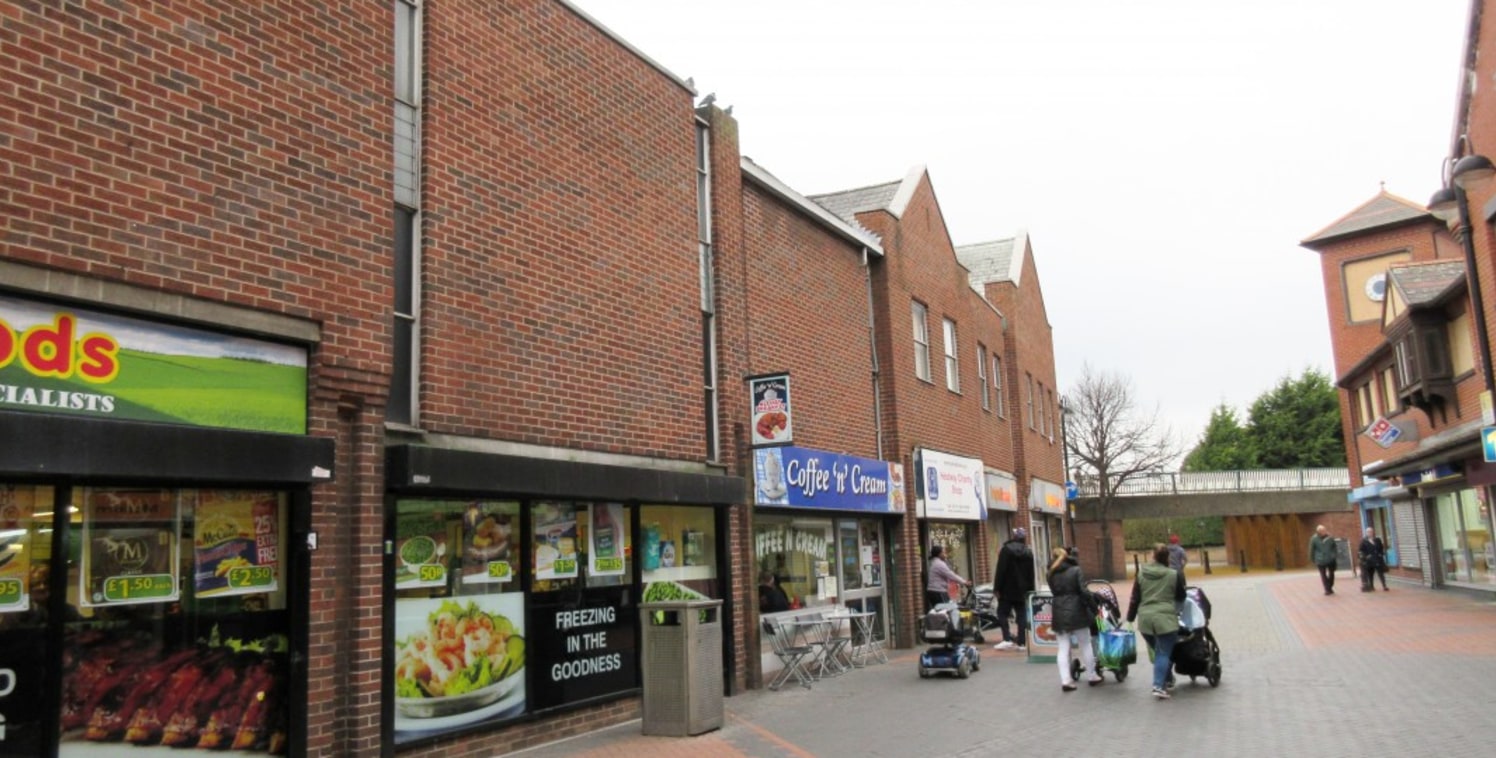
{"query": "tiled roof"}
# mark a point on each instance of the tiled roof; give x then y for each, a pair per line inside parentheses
(848, 203)
(988, 261)
(1425, 283)
(847, 228)
(1385, 209)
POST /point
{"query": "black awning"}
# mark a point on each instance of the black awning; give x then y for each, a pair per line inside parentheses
(426, 469)
(45, 445)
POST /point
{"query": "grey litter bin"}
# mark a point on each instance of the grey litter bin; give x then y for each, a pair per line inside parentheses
(682, 642)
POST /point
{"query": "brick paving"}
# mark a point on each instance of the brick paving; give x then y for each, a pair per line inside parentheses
(1399, 673)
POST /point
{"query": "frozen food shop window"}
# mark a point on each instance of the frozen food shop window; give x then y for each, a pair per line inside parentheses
(459, 642)
(176, 631)
(679, 553)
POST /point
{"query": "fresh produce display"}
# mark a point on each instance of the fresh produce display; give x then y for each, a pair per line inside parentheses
(214, 695)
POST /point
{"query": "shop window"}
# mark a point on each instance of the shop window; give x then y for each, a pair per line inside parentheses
(679, 553)
(175, 628)
(459, 642)
(799, 553)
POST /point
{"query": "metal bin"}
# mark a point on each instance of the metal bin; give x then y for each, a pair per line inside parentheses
(682, 666)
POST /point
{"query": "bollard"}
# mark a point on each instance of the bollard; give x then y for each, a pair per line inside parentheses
(1205, 559)
(1243, 555)
(1278, 557)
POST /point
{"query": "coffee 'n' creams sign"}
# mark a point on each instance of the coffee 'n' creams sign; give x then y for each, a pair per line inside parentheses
(73, 361)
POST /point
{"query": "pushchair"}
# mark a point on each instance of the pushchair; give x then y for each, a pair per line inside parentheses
(948, 627)
(981, 600)
(1108, 622)
(1196, 654)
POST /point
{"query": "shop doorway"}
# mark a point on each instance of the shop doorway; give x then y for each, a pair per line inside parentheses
(860, 545)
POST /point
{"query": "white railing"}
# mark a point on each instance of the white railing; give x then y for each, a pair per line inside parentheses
(1204, 482)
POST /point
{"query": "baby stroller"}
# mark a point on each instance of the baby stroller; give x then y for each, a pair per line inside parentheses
(1108, 621)
(981, 600)
(1196, 654)
(947, 627)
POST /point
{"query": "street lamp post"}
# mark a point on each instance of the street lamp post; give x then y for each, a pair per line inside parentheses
(1069, 475)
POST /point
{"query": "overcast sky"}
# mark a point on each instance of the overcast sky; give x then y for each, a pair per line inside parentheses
(1165, 156)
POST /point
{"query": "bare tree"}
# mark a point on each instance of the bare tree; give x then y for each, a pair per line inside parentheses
(1109, 443)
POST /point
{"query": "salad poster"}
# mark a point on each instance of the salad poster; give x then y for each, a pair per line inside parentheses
(458, 661)
(236, 547)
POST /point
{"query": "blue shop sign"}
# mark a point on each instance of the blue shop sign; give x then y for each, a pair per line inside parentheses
(1430, 475)
(803, 478)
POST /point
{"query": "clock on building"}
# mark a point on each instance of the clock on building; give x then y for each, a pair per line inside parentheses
(1376, 286)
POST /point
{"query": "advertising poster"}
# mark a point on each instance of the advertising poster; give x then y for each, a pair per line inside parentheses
(421, 546)
(458, 662)
(896, 488)
(773, 422)
(131, 544)
(583, 650)
(79, 362)
(953, 487)
(605, 538)
(488, 542)
(1044, 643)
(555, 547)
(236, 546)
(16, 509)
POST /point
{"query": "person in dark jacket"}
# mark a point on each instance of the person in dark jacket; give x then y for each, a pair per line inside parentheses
(771, 599)
(1373, 554)
(1073, 614)
(1156, 596)
(1012, 583)
(1323, 553)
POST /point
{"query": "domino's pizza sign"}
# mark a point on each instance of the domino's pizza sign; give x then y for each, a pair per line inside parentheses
(1383, 432)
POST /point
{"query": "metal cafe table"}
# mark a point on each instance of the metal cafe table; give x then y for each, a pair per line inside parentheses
(861, 646)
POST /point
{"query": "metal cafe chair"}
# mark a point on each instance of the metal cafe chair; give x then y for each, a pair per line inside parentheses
(793, 656)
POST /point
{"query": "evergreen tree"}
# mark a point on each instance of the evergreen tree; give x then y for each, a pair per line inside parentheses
(1297, 424)
(1225, 445)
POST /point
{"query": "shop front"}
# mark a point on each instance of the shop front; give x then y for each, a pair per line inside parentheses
(952, 505)
(1002, 513)
(1377, 515)
(155, 510)
(515, 582)
(1046, 517)
(823, 526)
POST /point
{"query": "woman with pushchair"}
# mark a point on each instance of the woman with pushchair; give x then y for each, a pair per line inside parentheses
(1156, 596)
(1073, 614)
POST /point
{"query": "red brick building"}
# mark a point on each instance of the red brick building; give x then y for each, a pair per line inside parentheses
(363, 369)
(1407, 292)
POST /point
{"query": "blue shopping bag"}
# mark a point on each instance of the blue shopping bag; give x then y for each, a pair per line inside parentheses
(1119, 647)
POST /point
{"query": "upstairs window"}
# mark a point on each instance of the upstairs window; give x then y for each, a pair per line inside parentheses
(982, 376)
(997, 385)
(921, 342)
(952, 369)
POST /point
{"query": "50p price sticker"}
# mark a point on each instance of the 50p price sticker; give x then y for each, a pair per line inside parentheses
(499, 570)
(432, 572)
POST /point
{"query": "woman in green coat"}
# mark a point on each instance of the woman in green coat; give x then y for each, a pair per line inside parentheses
(1155, 606)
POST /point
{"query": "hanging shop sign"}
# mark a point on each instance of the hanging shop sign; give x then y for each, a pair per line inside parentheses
(1046, 496)
(951, 487)
(805, 478)
(583, 651)
(1002, 491)
(74, 361)
(773, 421)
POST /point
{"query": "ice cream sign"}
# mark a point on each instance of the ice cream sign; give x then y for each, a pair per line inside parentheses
(951, 487)
(74, 361)
(806, 478)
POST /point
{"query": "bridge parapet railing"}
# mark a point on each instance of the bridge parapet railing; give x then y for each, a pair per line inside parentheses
(1204, 482)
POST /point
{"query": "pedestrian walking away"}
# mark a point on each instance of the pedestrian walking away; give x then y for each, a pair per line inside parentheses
(1177, 556)
(1154, 605)
(940, 578)
(1373, 554)
(1322, 553)
(1012, 582)
(1074, 616)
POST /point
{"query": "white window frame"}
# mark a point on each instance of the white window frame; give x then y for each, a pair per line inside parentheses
(982, 377)
(921, 340)
(1028, 398)
(997, 386)
(952, 362)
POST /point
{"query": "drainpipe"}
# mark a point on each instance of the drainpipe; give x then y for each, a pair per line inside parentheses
(872, 343)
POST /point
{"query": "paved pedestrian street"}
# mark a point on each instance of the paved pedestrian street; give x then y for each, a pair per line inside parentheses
(1409, 672)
